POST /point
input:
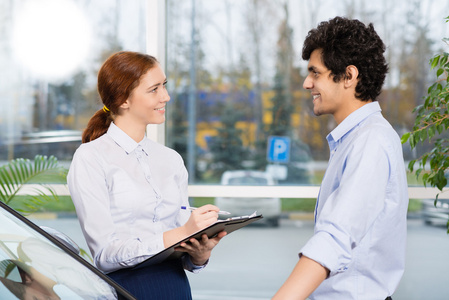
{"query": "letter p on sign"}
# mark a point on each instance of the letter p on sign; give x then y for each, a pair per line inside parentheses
(278, 149)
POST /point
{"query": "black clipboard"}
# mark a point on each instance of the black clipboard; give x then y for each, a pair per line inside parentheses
(228, 225)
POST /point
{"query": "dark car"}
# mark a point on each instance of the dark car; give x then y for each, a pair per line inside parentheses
(44, 264)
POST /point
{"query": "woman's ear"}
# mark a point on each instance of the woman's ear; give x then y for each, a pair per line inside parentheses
(352, 74)
(125, 104)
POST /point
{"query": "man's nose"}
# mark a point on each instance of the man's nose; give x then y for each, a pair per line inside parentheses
(308, 84)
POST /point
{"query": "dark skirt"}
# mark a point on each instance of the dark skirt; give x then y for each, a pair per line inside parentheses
(166, 280)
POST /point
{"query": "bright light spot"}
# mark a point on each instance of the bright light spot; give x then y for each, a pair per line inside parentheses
(51, 38)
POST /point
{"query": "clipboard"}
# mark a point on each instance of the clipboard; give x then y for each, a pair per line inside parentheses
(229, 225)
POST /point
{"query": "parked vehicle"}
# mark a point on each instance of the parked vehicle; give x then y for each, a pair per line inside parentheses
(59, 143)
(270, 208)
(41, 263)
(435, 214)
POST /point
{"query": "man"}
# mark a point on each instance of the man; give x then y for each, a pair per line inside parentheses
(358, 247)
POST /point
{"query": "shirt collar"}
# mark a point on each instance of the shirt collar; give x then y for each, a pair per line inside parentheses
(352, 120)
(124, 140)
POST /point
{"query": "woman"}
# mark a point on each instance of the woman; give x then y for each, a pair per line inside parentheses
(128, 190)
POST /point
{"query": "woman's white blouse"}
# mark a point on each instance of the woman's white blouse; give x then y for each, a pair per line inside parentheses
(126, 194)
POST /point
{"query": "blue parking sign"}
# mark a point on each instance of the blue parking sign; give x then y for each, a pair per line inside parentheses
(278, 149)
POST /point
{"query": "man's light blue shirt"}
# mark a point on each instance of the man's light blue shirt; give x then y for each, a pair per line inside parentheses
(361, 210)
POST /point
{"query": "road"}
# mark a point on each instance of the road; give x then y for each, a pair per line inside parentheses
(252, 263)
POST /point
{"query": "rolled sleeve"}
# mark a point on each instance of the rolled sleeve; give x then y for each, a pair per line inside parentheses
(353, 199)
(322, 249)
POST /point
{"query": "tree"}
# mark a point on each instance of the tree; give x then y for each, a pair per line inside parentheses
(257, 14)
(282, 102)
(432, 124)
(227, 147)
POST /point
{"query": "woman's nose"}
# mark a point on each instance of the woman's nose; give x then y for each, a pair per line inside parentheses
(166, 96)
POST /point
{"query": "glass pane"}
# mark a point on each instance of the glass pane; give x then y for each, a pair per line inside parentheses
(32, 267)
(236, 73)
(50, 52)
(235, 76)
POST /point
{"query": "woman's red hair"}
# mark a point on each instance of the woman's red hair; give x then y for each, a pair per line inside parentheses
(117, 78)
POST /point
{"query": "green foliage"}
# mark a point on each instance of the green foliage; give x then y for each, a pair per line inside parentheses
(20, 172)
(432, 121)
(431, 125)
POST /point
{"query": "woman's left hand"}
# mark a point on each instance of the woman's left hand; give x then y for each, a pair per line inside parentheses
(200, 250)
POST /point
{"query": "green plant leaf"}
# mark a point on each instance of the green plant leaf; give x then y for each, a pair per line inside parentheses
(434, 61)
(42, 171)
(405, 137)
(411, 165)
(443, 61)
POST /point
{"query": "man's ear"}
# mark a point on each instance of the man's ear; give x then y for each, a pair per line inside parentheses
(352, 73)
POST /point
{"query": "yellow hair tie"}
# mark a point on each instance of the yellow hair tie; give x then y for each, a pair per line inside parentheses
(105, 109)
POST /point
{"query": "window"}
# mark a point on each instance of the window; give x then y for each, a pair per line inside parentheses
(50, 52)
(235, 77)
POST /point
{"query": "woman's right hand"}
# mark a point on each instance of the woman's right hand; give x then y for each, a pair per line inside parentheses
(201, 218)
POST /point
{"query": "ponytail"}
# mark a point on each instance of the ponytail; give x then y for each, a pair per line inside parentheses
(97, 126)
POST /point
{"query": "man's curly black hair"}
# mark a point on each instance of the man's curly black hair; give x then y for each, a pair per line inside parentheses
(345, 42)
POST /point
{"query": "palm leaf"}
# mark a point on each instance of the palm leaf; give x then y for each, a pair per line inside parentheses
(18, 173)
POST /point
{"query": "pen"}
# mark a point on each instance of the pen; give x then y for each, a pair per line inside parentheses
(221, 212)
